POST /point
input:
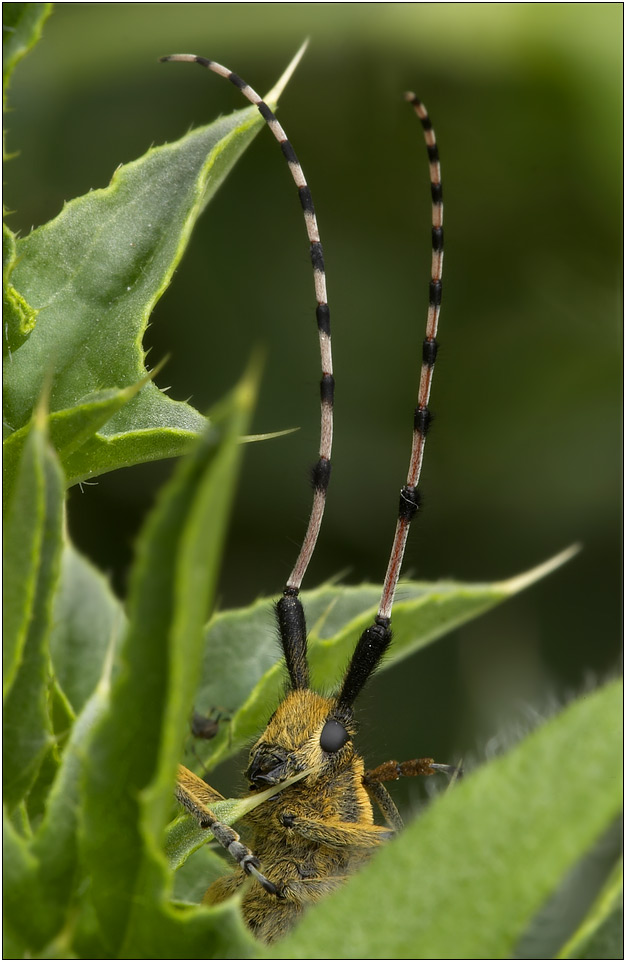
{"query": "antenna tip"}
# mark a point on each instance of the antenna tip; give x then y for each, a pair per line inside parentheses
(183, 57)
(410, 97)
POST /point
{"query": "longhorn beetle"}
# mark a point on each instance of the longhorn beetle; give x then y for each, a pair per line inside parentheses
(305, 840)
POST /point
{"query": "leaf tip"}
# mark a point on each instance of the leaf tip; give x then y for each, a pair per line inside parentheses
(275, 93)
(519, 582)
(249, 438)
(248, 387)
(42, 407)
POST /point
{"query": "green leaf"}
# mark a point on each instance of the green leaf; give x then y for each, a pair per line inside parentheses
(194, 877)
(55, 843)
(88, 281)
(133, 448)
(243, 673)
(24, 514)
(18, 316)
(19, 870)
(62, 719)
(72, 432)
(601, 934)
(464, 880)
(131, 763)
(87, 619)
(21, 29)
(169, 930)
(27, 730)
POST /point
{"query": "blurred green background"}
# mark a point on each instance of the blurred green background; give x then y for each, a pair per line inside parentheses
(525, 455)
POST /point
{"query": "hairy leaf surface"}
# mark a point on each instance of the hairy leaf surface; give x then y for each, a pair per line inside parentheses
(27, 728)
(86, 284)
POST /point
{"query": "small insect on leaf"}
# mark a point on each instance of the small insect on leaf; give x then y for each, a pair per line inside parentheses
(206, 726)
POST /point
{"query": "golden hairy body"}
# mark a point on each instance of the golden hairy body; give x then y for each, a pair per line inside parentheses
(309, 837)
(312, 835)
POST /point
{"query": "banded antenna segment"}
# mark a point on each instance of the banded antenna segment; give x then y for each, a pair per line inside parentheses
(376, 639)
(409, 500)
(320, 474)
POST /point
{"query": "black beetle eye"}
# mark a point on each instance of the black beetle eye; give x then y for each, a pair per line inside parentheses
(333, 737)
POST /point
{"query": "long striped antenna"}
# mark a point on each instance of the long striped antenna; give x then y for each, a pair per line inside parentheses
(376, 639)
(289, 609)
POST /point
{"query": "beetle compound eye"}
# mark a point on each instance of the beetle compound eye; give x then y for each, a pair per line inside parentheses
(333, 737)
